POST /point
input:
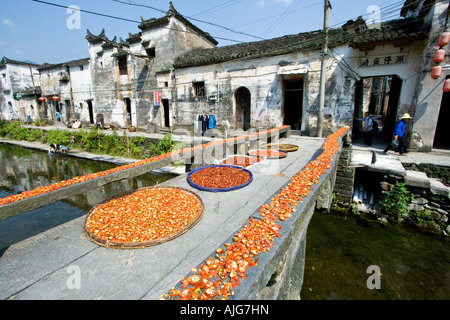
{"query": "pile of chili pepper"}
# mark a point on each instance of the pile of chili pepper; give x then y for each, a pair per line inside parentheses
(220, 177)
(242, 161)
(58, 185)
(218, 277)
(145, 215)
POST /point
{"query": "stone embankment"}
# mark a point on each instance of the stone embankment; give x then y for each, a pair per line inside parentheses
(366, 177)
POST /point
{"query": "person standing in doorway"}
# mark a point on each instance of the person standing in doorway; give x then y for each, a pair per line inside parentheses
(399, 135)
(368, 128)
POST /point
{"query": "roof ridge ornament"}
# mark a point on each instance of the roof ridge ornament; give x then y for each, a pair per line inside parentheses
(172, 10)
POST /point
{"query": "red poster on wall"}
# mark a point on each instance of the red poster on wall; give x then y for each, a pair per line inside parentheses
(157, 98)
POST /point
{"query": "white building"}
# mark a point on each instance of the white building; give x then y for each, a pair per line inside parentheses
(172, 72)
(66, 88)
(19, 90)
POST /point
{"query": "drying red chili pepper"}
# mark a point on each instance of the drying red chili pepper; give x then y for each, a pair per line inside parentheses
(91, 176)
(242, 161)
(267, 153)
(146, 215)
(220, 177)
(221, 275)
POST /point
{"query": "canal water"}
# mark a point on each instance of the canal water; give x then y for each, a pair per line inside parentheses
(24, 169)
(339, 251)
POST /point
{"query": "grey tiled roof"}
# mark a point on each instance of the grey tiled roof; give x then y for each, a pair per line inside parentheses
(4, 61)
(354, 33)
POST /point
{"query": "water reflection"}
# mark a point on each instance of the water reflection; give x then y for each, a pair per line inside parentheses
(24, 169)
(413, 265)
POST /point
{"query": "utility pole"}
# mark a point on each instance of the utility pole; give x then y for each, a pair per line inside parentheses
(323, 69)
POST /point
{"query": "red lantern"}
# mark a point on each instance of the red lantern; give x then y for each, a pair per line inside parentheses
(439, 56)
(447, 85)
(41, 99)
(436, 72)
(55, 98)
(444, 39)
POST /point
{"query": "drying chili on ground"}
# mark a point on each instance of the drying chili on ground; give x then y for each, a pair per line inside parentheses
(145, 215)
(91, 176)
(242, 161)
(220, 177)
(218, 277)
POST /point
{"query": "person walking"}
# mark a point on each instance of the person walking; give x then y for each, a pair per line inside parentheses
(399, 135)
(368, 128)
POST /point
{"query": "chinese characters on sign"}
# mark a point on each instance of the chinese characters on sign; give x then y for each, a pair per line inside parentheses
(382, 60)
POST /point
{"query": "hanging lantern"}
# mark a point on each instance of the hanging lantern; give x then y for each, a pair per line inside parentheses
(42, 99)
(447, 85)
(436, 72)
(444, 39)
(55, 98)
(439, 56)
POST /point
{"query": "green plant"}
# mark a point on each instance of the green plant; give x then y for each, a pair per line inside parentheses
(59, 136)
(38, 122)
(164, 146)
(397, 201)
(421, 216)
(334, 201)
(17, 132)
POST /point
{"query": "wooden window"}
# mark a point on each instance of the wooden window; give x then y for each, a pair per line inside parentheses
(123, 65)
(199, 89)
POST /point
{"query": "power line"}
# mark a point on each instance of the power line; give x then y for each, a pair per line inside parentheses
(125, 19)
(195, 19)
(280, 18)
(304, 42)
(277, 15)
(218, 7)
(366, 14)
(87, 11)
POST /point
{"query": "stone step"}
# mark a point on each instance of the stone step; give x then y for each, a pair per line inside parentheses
(417, 179)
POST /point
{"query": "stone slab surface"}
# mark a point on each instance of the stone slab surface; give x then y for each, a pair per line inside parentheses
(417, 179)
(44, 266)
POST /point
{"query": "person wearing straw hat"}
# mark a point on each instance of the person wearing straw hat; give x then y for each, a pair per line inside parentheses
(399, 135)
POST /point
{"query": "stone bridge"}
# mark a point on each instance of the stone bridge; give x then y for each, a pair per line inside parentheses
(43, 266)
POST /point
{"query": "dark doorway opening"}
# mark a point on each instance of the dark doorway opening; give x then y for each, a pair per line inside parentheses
(243, 115)
(165, 103)
(91, 111)
(127, 103)
(293, 103)
(67, 106)
(441, 139)
(380, 97)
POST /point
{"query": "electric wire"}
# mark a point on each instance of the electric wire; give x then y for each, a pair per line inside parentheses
(298, 44)
(191, 18)
(278, 21)
(130, 20)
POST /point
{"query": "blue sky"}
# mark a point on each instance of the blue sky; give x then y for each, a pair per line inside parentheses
(38, 32)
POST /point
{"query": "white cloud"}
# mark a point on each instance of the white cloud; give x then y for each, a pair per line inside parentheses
(261, 3)
(19, 52)
(287, 2)
(12, 26)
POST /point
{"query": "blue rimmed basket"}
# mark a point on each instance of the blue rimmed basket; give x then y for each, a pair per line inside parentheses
(194, 185)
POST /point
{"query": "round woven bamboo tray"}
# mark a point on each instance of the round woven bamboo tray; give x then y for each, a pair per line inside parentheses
(142, 244)
(257, 153)
(193, 184)
(282, 147)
